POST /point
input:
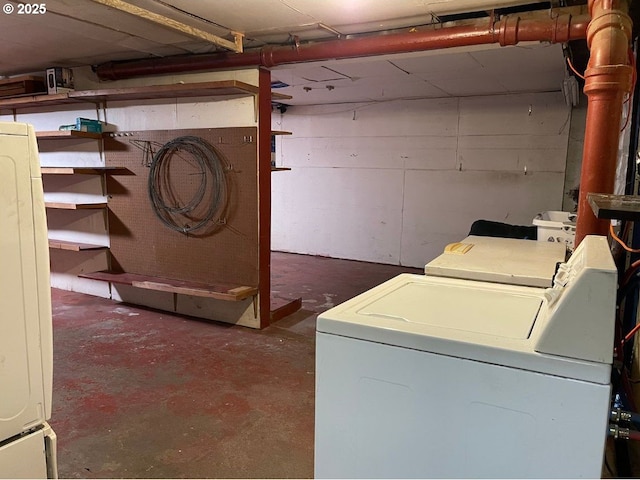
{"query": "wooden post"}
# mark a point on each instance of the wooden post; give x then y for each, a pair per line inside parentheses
(264, 194)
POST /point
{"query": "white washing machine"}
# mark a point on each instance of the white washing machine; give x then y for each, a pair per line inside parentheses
(425, 377)
(503, 260)
(27, 443)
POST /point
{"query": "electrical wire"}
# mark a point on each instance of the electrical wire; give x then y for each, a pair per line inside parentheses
(630, 335)
(573, 69)
(634, 420)
(208, 201)
(622, 244)
(633, 268)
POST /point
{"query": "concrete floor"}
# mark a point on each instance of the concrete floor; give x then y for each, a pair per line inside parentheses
(146, 394)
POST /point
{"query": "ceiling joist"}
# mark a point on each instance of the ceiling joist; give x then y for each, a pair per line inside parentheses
(161, 20)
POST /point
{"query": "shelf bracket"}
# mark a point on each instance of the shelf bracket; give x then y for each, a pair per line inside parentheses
(255, 108)
(254, 301)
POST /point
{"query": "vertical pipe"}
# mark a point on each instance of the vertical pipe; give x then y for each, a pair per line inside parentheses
(607, 80)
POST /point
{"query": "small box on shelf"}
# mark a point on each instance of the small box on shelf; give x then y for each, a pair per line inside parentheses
(59, 80)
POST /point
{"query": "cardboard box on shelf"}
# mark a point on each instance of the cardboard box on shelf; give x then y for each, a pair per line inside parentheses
(59, 80)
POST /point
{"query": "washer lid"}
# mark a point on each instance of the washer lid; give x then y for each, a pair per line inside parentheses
(486, 322)
(474, 307)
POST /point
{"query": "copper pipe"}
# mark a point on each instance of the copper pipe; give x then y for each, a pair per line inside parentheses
(607, 80)
(509, 30)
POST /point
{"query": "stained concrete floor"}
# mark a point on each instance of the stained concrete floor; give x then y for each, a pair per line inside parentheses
(139, 393)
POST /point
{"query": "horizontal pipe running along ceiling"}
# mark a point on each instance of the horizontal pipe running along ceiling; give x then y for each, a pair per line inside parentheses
(509, 30)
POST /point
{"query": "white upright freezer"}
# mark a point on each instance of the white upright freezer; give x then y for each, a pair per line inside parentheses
(27, 443)
(429, 377)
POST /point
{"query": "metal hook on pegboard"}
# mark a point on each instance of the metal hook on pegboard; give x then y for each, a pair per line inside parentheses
(149, 149)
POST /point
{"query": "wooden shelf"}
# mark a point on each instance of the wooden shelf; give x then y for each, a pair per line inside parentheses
(280, 96)
(74, 206)
(74, 246)
(43, 100)
(62, 134)
(204, 89)
(217, 291)
(82, 170)
(226, 88)
(617, 207)
(280, 132)
(280, 169)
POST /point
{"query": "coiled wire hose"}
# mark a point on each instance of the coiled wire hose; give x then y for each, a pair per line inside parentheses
(208, 203)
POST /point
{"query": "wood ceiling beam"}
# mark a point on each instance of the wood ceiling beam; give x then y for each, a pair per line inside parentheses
(166, 22)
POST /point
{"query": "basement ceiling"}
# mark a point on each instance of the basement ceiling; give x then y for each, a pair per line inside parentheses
(85, 32)
(486, 70)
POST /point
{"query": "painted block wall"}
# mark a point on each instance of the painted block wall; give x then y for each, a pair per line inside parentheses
(395, 182)
(88, 226)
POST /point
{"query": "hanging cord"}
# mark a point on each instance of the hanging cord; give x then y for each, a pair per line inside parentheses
(162, 192)
(622, 244)
(630, 335)
(633, 268)
(147, 148)
(573, 69)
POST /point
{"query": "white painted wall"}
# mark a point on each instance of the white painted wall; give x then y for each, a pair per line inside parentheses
(395, 182)
(574, 155)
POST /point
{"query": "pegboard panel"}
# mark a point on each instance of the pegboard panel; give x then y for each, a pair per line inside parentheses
(142, 244)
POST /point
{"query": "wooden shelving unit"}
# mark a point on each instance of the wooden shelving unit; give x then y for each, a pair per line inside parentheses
(74, 246)
(210, 92)
(64, 134)
(280, 169)
(280, 132)
(75, 206)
